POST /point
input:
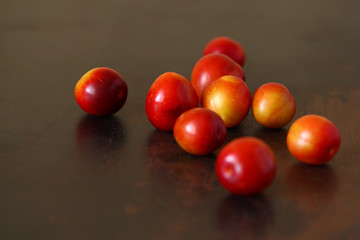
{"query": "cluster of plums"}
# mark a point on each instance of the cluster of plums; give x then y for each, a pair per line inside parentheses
(245, 165)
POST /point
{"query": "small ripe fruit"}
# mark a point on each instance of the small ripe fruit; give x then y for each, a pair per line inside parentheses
(229, 97)
(101, 91)
(211, 67)
(228, 47)
(199, 131)
(313, 139)
(170, 95)
(273, 106)
(245, 166)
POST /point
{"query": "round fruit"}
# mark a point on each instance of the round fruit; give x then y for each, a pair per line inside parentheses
(228, 47)
(170, 95)
(273, 106)
(313, 139)
(211, 67)
(245, 166)
(199, 131)
(229, 97)
(101, 91)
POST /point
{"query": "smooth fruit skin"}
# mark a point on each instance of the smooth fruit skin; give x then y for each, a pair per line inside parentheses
(211, 67)
(228, 47)
(170, 95)
(199, 131)
(273, 106)
(245, 166)
(313, 139)
(101, 91)
(229, 97)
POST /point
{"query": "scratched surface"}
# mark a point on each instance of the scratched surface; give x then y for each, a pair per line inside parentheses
(67, 175)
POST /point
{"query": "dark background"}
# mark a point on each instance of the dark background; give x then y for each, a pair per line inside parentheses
(67, 175)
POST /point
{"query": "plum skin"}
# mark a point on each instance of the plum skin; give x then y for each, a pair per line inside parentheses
(101, 91)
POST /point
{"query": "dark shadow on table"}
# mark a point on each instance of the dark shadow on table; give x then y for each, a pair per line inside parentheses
(244, 217)
(312, 187)
(100, 138)
(170, 164)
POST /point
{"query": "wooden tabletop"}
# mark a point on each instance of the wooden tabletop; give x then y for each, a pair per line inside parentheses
(67, 175)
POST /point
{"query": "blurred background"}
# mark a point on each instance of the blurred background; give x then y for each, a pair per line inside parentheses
(64, 174)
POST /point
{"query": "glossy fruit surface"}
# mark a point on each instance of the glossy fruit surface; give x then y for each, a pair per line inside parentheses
(170, 95)
(211, 67)
(199, 131)
(313, 139)
(101, 91)
(273, 106)
(228, 47)
(245, 166)
(229, 97)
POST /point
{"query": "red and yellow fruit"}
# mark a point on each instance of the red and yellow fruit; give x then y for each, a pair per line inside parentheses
(229, 97)
(245, 166)
(101, 91)
(228, 47)
(211, 67)
(273, 106)
(313, 139)
(199, 131)
(170, 95)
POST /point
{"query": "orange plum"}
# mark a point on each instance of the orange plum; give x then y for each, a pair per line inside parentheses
(273, 106)
(313, 139)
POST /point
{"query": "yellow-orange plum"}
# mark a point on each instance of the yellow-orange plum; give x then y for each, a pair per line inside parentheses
(229, 97)
(273, 106)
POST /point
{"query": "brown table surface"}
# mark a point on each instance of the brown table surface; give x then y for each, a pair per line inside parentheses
(67, 175)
